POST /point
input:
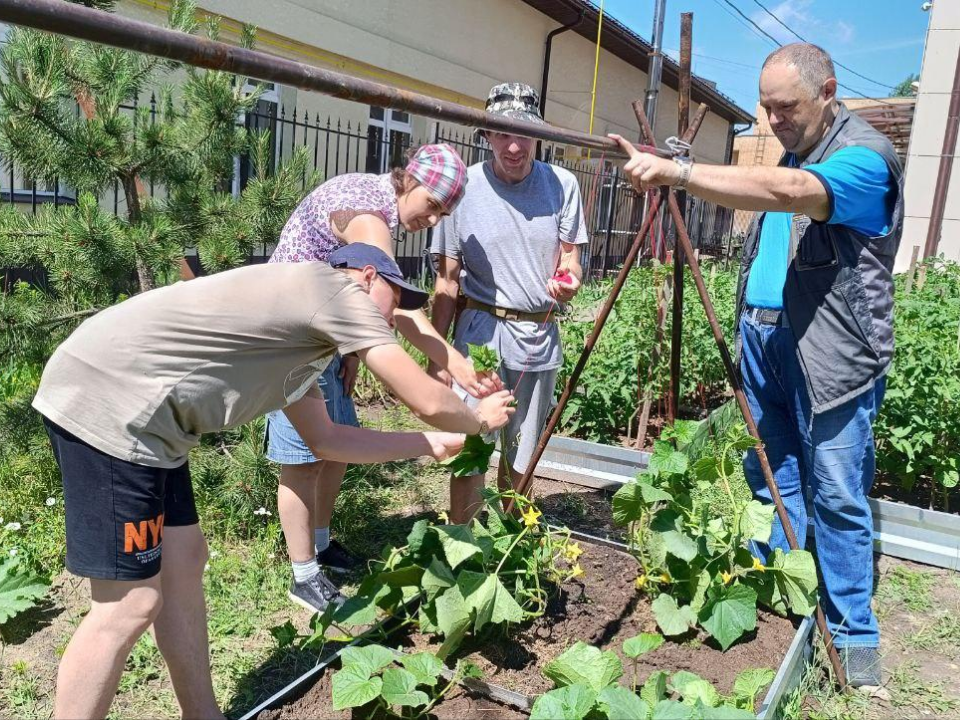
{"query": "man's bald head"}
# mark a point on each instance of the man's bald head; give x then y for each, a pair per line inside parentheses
(798, 90)
(812, 62)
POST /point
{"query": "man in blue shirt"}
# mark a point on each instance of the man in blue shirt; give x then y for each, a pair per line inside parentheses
(815, 327)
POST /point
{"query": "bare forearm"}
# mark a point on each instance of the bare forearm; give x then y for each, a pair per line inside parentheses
(431, 401)
(416, 328)
(444, 308)
(342, 443)
(773, 189)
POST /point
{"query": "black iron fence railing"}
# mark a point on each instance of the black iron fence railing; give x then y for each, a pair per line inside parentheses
(612, 211)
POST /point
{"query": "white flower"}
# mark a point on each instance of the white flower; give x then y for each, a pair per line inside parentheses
(12, 526)
(13, 553)
(206, 567)
(214, 553)
(51, 501)
(262, 511)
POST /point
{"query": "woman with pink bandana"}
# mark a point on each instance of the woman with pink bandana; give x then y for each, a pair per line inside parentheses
(356, 208)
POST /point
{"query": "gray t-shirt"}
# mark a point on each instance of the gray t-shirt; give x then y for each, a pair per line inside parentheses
(507, 238)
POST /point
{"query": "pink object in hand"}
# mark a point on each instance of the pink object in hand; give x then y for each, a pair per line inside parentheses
(563, 277)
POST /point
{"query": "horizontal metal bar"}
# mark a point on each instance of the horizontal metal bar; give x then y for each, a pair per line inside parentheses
(290, 687)
(97, 26)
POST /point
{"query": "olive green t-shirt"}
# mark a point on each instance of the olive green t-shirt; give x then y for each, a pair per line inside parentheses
(142, 380)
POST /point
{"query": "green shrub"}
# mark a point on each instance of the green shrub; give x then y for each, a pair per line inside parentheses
(918, 429)
(618, 371)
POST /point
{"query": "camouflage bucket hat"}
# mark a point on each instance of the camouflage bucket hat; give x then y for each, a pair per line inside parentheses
(515, 100)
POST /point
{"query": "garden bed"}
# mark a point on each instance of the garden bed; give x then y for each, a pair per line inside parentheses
(601, 608)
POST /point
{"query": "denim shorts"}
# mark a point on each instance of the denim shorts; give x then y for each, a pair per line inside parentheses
(284, 444)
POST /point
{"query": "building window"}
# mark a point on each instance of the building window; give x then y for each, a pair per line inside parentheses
(388, 138)
(262, 117)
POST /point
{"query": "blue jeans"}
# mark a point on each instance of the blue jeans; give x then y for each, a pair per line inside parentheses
(829, 456)
(284, 445)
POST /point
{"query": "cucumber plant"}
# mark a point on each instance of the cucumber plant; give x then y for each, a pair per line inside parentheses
(451, 580)
(703, 568)
(587, 685)
(474, 458)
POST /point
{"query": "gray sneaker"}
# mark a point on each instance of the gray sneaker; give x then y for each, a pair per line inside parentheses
(316, 593)
(862, 665)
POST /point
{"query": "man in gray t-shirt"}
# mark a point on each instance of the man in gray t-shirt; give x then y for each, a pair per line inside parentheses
(512, 247)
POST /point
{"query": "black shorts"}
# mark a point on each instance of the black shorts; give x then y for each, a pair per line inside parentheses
(116, 510)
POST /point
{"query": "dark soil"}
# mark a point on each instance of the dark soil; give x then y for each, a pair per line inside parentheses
(577, 507)
(601, 608)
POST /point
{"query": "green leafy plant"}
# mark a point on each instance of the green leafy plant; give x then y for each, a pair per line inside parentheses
(620, 370)
(698, 566)
(477, 450)
(473, 459)
(463, 577)
(20, 589)
(485, 359)
(587, 686)
(918, 428)
(376, 677)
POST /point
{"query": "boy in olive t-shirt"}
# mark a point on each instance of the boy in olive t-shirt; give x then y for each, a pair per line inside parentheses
(127, 396)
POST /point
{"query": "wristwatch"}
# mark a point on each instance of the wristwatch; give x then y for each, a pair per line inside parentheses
(686, 167)
(484, 426)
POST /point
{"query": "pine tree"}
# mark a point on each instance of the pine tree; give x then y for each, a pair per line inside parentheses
(90, 257)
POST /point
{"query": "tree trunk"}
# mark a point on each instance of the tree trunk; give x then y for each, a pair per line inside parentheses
(131, 191)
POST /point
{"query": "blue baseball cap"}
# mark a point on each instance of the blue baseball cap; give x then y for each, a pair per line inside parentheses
(358, 255)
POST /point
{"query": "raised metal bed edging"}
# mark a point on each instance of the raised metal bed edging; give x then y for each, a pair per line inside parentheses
(788, 676)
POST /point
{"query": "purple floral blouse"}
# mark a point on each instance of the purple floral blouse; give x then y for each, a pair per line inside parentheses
(308, 235)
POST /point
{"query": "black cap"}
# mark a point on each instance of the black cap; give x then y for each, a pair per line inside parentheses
(358, 255)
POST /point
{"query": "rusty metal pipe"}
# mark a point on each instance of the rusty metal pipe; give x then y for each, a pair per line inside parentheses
(734, 378)
(946, 168)
(84, 23)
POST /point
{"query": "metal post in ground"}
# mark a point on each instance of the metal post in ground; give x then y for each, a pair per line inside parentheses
(683, 120)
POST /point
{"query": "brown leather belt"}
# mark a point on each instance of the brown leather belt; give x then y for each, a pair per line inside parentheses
(509, 314)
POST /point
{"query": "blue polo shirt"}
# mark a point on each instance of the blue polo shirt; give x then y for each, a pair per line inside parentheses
(861, 192)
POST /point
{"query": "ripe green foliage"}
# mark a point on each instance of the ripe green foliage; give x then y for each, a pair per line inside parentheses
(20, 589)
(465, 577)
(90, 258)
(587, 686)
(918, 429)
(387, 683)
(475, 456)
(697, 564)
(619, 369)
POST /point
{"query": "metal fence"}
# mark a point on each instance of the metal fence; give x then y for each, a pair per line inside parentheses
(612, 210)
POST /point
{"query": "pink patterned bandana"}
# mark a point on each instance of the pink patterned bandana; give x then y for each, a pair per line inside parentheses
(440, 170)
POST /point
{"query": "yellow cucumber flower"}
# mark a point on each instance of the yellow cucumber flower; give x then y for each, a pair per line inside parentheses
(665, 578)
(727, 577)
(572, 551)
(640, 582)
(531, 516)
(576, 572)
(758, 566)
